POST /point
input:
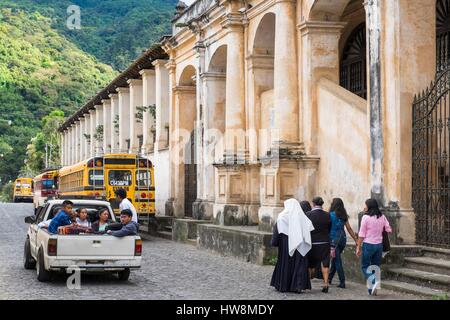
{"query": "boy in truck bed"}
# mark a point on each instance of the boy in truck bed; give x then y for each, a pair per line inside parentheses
(63, 218)
(129, 227)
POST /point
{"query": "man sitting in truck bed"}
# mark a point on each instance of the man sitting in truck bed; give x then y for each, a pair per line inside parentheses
(129, 227)
(63, 218)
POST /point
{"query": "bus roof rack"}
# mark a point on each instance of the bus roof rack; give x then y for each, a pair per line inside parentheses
(80, 197)
(51, 169)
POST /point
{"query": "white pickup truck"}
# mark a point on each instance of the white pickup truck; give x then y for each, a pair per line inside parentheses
(88, 252)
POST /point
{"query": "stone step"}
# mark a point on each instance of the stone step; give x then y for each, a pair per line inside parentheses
(428, 264)
(143, 228)
(164, 234)
(421, 278)
(192, 242)
(413, 289)
(437, 253)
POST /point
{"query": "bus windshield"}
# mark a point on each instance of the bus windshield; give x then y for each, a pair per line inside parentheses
(120, 178)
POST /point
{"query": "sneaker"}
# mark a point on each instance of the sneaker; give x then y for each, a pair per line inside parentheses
(341, 285)
(375, 289)
(325, 289)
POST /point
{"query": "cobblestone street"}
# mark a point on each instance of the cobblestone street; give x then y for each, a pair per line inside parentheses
(169, 271)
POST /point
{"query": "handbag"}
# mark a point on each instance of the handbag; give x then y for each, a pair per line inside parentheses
(386, 242)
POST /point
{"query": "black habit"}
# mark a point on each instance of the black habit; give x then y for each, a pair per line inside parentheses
(291, 273)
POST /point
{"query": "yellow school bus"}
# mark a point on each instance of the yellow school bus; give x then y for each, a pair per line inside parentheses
(23, 190)
(100, 177)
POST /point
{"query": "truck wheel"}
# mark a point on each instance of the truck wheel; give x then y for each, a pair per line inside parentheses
(42, 274)
(124, 275)
(28, 261)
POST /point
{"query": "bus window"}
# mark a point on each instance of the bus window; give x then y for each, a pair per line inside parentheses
(96, 177)
(120, 178)
(143, 178)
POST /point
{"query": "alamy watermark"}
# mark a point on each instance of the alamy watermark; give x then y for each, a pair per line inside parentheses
(374, 280)
(74, 20)
(74, 280)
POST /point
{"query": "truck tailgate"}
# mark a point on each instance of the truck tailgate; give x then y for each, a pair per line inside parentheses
(98, 246)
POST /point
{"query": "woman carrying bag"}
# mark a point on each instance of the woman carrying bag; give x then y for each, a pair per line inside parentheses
(370, 242)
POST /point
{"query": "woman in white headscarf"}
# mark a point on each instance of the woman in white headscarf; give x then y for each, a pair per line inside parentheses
(292, 236)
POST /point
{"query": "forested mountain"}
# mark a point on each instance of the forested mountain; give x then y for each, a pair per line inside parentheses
(114, 31)
(45, 66)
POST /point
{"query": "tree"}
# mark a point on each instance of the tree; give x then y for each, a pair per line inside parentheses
(44, 149)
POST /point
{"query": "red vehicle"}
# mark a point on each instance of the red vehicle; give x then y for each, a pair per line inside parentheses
(45, 187)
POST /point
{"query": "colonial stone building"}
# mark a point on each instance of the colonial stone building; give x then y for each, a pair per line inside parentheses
(258, 101)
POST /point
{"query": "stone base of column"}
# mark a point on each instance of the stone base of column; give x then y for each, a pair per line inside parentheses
(169, 207)
(203, 209)
(403, 223)
(236, 194)
(289, 176)
(236, 214)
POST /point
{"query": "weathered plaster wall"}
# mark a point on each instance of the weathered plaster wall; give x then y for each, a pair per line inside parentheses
(343, 145)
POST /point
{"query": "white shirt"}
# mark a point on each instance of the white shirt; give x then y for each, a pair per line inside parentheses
(84, 223)
(44, 224)
(126, 204)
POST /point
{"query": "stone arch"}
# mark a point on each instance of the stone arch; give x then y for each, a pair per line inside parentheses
(262, 71)
(326, 10)
(218, 62)
(264, 40)
(187, 77)
(185, 113)
(353, 66)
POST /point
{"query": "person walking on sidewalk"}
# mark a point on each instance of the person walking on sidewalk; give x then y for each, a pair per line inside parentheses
(339, 221)
(370, 242)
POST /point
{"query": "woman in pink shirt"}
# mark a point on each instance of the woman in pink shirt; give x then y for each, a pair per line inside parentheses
(370, 241)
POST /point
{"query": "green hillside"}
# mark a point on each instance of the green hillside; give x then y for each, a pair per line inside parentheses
(114, 31)
(45, 66)
(39, 71)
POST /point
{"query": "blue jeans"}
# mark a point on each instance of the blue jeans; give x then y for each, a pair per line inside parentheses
(336, 263)
(371, 255)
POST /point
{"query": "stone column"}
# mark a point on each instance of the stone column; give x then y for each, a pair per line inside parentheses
(162, 103)
(77, 141)
(148, 99)
(62, 150)
(235, 95)
(87, 132)
(124, 119)
(285, 99)
(407, 61)
(134, 123)
(114, 121)
(92, 132)
(319, 58)
(107, 126)
(99, 131)
(170, 204)
(214, 91)
(82, 138)
(72, 145)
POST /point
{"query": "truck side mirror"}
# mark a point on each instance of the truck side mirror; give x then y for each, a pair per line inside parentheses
(30, 219)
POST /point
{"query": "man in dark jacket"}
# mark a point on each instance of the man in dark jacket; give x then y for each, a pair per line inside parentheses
(129, 227)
